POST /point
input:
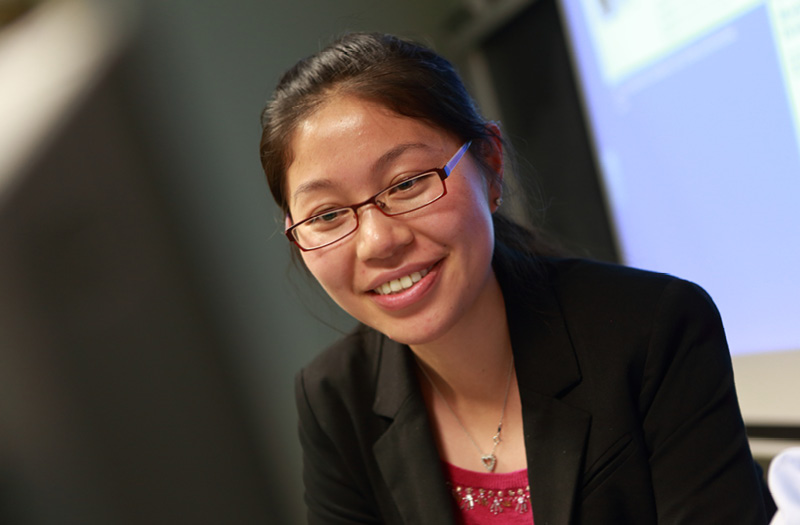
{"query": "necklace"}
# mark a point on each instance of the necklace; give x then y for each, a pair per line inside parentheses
(489, 460)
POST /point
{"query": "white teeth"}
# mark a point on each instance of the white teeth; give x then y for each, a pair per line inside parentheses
(403, 283)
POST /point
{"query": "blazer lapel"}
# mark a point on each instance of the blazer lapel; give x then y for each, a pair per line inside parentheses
(555, 432)
(406, 452)
(555, 437)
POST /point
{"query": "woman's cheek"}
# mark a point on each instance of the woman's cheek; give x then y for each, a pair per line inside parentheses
(316, 266)
(329, 271)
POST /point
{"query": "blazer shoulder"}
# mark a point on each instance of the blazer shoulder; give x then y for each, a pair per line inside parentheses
(614, 307)
(587, 271)
(605, 284)
(354, 355)
(340, 384)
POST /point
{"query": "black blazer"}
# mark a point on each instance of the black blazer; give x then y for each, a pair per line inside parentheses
(628, 404)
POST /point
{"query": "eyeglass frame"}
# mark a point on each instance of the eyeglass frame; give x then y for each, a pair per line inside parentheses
(443, 173)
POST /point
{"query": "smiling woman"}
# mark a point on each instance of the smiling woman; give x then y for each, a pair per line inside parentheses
(489, 381)
(449, 240)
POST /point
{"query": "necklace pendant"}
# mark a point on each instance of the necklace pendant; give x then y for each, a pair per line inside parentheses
(489, 461)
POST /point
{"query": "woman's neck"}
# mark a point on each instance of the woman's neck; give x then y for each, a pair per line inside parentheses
(471, 389)
(470, 363)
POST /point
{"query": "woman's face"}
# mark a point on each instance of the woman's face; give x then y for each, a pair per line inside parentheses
(349, 150)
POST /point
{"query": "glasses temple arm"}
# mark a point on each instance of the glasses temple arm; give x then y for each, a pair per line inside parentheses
(460, 153)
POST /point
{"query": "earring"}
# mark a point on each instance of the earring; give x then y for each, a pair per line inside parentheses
(498, 201)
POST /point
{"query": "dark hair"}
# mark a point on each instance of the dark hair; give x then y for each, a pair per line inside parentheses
(406, 78)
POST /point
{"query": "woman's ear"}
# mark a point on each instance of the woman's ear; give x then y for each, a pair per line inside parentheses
(493, 153)
(493, 156)
(287, 222)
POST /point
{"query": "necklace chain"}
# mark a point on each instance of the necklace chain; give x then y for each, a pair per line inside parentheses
(489, 460)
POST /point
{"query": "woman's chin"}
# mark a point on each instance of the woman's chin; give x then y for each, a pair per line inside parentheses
(414, 333)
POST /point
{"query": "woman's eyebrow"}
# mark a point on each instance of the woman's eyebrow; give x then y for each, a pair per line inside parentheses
(390, 156)
(378, 166)
(311, 186)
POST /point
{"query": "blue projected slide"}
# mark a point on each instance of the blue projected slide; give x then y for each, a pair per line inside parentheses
(693, 110)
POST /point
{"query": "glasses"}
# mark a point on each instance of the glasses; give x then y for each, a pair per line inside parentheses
(406, 196)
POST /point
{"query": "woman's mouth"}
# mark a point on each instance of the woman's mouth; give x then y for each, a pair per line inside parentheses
(408, 290)
(403, 283)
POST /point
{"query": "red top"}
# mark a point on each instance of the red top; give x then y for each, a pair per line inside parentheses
(483, 498)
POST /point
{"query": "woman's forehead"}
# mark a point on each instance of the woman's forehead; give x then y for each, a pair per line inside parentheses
(360, 121)
(350, 136)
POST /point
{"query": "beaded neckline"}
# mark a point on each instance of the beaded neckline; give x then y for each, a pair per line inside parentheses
(496, 493)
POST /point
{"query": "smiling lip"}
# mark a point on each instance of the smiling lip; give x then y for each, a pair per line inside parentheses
(410, 295)
(402, 283)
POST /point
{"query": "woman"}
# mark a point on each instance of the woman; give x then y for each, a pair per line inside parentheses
(487, 382)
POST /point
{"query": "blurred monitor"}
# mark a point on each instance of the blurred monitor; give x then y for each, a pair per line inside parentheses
(693, 108)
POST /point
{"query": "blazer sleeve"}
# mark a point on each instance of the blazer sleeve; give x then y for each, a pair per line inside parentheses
(331, 495)
(701, 465)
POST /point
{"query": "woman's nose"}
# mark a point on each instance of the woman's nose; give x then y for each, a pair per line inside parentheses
(380, 236)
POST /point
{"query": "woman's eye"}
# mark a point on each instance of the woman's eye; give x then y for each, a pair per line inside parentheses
(406, 185)
(326, 217)
(328, 221)
(413, 188)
